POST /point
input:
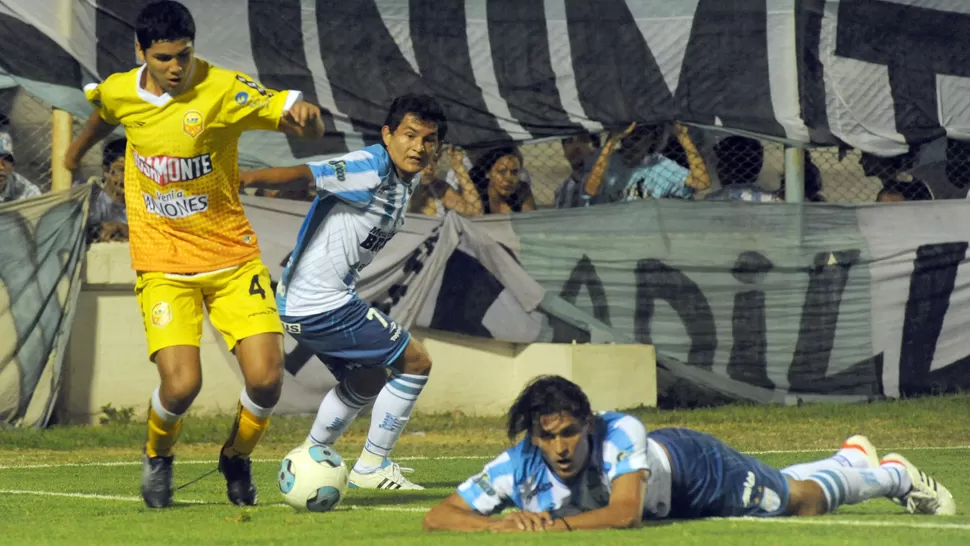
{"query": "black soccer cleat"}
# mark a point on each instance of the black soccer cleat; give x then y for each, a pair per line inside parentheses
(156, 481)
(239, 480)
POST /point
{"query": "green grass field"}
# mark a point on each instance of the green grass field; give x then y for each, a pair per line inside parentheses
(79, 485)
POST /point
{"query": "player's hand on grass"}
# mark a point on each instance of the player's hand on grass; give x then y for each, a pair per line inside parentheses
(522, 521)
(303, 113)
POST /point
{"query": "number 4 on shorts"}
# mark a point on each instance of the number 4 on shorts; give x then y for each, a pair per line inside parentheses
(255, 288)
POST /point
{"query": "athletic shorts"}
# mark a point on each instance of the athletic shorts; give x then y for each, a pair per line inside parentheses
(353, 336)
(239, 300)
(710, 479)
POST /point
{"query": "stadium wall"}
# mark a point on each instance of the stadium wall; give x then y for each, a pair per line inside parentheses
(106, 361)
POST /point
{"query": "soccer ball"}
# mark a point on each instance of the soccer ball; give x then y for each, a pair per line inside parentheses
(313, 477)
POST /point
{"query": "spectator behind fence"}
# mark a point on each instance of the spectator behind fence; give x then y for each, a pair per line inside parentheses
(581, 152)
(889, 195)
(470, 160)
(813, 182)
(894, 173)
(497, 175)
(739, 163)
(635, 170)
(13, 186)
(434, 196)
(108, 218)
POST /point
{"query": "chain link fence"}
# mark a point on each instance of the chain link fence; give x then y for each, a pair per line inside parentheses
(27, 121)
(552, 169)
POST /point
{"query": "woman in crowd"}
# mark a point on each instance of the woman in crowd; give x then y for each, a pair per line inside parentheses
(497, 177)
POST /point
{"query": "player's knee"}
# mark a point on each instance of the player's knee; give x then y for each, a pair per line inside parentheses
(806, 498)
(265, 386)
(179, 391)
(367, 382)
(416, 360)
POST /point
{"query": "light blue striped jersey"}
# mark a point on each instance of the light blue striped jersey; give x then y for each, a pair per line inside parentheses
(520, 477)
(360, 204)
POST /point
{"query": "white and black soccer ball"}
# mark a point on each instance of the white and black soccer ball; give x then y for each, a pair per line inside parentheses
(313, 478)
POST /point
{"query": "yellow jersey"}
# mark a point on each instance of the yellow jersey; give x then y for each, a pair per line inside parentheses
(181, 165)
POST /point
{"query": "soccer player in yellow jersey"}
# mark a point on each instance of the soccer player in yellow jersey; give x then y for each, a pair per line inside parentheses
(191, 244)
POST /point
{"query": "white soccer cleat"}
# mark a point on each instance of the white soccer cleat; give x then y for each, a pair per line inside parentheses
(863, 444)
(927, 495)
(387, 477)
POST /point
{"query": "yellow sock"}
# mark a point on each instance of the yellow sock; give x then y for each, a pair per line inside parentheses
(162, 435)
(246, 433)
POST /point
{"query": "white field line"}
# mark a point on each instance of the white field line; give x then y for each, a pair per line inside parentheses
(852, 522)
(422, 458)
(824, 521)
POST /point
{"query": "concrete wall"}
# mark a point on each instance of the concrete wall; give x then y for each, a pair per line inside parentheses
(107, 360)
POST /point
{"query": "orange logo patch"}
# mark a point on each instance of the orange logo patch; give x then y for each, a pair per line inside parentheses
(161, 314)
(193, 124)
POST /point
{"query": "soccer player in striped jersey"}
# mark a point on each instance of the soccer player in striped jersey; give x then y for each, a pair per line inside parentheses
(361, 200)
(576, 469)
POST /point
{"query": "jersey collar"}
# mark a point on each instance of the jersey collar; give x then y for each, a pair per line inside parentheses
(157, 100)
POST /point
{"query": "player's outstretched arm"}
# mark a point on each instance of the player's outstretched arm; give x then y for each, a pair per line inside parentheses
(277, 178)
(302, 120)
(625, 510)
(95, 130)
(454, 514)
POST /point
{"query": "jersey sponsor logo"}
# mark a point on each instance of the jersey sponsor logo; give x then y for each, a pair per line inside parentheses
(376, 240)
(175, 204)
(749, 482)
(339, 169)
(485, 484)
(193, 123)
(250, 83)
(241, 98)
(161, 314)
(166, 170)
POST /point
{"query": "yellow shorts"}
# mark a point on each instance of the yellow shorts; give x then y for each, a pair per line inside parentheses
(239, 299)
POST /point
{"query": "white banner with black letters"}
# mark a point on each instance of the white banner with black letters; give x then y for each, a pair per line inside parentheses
(775, 303)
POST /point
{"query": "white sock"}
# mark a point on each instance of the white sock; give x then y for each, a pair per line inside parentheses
(338, 409)
(253, 407)
(161, 410)
(843, 458)
(391, 413)
(853, 485)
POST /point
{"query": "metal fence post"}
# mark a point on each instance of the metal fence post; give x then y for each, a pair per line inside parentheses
(794, 174)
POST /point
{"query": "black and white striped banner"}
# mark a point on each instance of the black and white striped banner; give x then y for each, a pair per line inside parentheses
(876, 74)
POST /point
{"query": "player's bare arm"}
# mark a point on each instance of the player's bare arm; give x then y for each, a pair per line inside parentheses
(95, 130)
(454, 514)
(277, 178)
(625, 510)
(302, 120)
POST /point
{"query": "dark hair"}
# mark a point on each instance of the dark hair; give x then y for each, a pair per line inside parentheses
(423, 107)
(546, 395)
(739, 160)
(479, 173)
(164, 21)
(112, 151)
(593, 138)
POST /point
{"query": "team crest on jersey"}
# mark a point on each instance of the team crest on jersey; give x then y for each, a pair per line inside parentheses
(161, 314)
(242, 98)
(193, 123)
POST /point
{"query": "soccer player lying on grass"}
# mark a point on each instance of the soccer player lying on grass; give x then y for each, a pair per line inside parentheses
(360, 204)
(576, 469)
